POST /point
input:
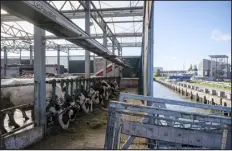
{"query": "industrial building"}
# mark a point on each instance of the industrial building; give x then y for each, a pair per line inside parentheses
(216, 69)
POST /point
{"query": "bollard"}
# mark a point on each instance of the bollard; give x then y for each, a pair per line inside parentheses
(193, 87)
(206, 90)
(213, 92)
(221, 93)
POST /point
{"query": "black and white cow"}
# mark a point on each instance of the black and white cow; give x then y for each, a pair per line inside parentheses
(83, 101)
(15, 96)
(114, 87)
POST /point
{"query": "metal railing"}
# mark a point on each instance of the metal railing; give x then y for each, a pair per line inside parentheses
(132, 125)
(4, 112)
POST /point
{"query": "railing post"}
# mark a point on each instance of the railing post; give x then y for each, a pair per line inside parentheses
(5, 60)
(109, 138)
(77, 83)
(71, 82)
(67, 86)
(62, 84)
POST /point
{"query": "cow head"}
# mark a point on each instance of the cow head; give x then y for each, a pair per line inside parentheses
(94, 95)
(84, 102)
(104, 83)
(78, 96)
(68, 98)
(64, 115)
(55, 106)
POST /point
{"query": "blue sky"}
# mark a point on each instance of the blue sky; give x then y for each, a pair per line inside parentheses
(186, 32)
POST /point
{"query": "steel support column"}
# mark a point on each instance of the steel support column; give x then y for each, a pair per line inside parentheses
(68, 62)
(120, 68)
(5, 60)
(31, 62)
(113, 64)
(105, 45)
(87, 30)
(20, 56)
(58, 60)
(150, 69)
(94, 64)
(150, 56)
(39, 71)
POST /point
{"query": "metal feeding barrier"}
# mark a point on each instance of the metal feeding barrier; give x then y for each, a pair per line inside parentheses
(74, 84)
(11, 110)
(134, 126)
(71, 85)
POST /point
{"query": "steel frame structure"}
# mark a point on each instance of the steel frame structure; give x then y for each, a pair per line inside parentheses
(80, 14)
(50, 14)
(17, 40)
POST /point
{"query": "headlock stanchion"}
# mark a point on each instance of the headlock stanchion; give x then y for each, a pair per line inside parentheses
(71, 82)
(70, 86)
(67, 86)
(11, 110)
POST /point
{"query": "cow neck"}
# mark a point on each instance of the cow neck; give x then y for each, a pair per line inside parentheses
(82, 102)
(93, 94)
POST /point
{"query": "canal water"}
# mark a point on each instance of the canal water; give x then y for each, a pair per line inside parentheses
(160, 91)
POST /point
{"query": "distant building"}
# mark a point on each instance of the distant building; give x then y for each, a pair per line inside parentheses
(214, 69)
(155, 69)
(204, 68)
(172, 72)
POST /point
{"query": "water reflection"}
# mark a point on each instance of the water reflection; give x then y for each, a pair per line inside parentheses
(161, 91)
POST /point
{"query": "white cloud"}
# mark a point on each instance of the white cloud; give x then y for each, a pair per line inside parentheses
(219, 35)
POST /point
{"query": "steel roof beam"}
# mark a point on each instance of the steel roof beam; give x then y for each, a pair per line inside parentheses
(11, 48)
(43, 15)
(98, 36)
(18, 34)
(125, 21)
(80, 14)
(93, 36)
(97, 17)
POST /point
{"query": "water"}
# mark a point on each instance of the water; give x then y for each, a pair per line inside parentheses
(161, 91)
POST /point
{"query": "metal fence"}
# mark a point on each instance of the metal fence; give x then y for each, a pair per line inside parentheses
(71, 85)
(18, 123)
(134, 126)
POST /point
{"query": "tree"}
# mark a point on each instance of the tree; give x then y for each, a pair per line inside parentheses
(190, 68)
(157, 73)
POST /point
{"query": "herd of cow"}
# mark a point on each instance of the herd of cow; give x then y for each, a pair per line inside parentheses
(63, 108)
